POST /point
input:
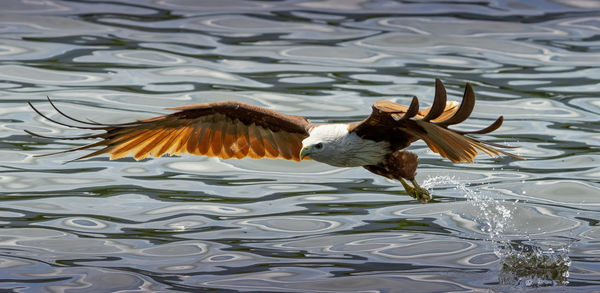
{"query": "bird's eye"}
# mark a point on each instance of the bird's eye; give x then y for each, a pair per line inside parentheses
(319, 146)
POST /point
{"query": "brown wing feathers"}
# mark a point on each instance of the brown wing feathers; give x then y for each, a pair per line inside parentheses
(431, 125)
(464, 110)
(221, 129)
(439, 102)
(455, 145)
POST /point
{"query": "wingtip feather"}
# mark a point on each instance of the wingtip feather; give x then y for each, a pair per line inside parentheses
(439, 101)
(464, 110)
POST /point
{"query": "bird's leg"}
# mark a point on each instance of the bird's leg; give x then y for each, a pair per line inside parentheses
(416, 191)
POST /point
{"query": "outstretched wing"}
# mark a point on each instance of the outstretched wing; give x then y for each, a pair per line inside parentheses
(220, 129)
(402, 125)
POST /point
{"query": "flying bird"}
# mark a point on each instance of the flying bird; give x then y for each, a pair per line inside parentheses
(233, 129)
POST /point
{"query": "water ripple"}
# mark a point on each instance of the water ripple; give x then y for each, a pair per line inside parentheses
(189, 223)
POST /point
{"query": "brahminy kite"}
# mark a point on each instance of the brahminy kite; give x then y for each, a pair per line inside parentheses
(237, 130)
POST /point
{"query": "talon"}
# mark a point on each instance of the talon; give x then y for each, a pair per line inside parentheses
(416, 191)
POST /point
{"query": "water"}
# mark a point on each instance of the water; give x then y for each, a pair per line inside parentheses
(191, 223)
(525, 262)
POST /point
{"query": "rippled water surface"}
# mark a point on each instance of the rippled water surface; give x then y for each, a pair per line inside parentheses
(188, 223)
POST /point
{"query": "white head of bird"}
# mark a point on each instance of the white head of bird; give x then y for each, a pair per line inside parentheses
(332, 144)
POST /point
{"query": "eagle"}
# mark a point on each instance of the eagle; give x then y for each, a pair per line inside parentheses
(231, 129)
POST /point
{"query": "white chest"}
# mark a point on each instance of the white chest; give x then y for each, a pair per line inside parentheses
(345, 149)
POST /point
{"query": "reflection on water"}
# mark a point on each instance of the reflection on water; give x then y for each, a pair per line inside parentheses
(191, 223)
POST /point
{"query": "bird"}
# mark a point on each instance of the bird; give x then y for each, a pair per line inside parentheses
(231, 129)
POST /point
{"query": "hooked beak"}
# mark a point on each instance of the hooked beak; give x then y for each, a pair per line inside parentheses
(304, 152)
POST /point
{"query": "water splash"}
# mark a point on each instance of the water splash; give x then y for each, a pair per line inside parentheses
(525, 263)
(492, 215)
(528, 265)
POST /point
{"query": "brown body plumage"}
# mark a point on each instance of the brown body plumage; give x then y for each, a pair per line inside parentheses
(236, 130)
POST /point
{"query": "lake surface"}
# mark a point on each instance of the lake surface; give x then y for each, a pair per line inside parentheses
(190, 223)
